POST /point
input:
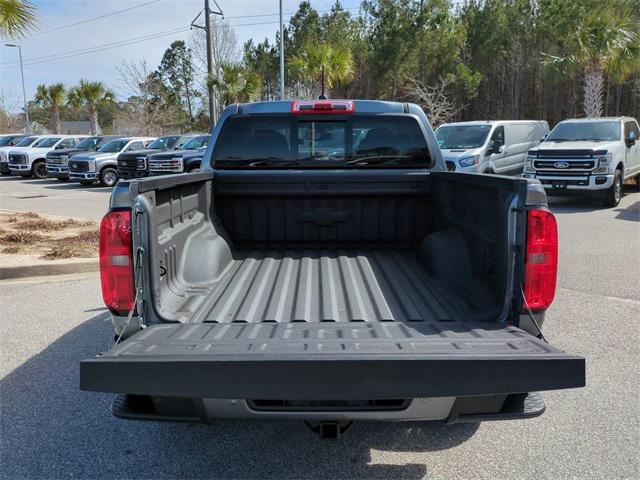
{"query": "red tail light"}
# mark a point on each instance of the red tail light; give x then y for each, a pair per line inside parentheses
(541, 261)
(116, 261)
(323, 106)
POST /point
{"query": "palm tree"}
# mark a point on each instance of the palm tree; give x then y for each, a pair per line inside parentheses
(326, 62)
(52, 98)
(90, 95)
(605, 41)
(237, 85)
(17, 17)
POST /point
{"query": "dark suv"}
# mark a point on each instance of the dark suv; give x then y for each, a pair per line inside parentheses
(185, 160)
(134, 164)
(58, 160)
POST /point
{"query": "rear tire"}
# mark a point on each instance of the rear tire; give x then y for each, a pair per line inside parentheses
(637, 183)
(39, 170)
(108, 177)
(613, 195)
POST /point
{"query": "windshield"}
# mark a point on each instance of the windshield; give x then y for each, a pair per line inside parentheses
(462, 136)
(197, 142)
(88, 143)
(6, 141)
(46, 142)
(363, 141)
(113, 146)
(26, 142)
(585, 131)
(164, 143)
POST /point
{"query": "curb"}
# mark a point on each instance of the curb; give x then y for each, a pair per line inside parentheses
(40, 270)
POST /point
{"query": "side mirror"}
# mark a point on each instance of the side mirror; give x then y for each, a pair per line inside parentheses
(60, 146)
(630, 140)
(496, 147)
(544, 137)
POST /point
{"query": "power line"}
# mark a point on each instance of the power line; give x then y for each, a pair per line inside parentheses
(99, 48)
(91, 19)
(131, 41)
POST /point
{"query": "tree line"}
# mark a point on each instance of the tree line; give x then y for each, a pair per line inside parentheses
(480, 59)
(476, 59)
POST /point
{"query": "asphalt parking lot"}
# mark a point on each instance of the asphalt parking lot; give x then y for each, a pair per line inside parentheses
(50, 429)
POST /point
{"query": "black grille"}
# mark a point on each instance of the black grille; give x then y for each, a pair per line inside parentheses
(577, 154)
(78, 166)
(131, 163)
(17, 158)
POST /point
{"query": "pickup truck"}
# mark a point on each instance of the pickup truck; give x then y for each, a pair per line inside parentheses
(180, 161)
(58, 160)
(589, 156)
(31, 161)
(7, 142)
(133, 164)
(356, 281)
(103, 164)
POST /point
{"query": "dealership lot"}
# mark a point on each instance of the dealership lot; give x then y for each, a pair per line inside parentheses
(56, 431)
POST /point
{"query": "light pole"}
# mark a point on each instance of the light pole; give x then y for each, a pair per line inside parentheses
(24, 91)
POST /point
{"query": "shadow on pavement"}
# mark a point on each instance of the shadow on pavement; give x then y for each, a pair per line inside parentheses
(51, 429)
(631, 213)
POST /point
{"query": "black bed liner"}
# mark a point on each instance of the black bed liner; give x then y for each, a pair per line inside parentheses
(331, 361)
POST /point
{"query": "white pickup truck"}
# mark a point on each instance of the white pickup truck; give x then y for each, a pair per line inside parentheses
(31, 161)
(592, 155)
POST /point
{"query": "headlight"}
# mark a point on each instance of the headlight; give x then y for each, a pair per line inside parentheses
(176, 164)
(92, 165)
(605, 158)
(469, 161)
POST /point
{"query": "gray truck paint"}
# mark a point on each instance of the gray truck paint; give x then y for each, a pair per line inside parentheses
(322, 285)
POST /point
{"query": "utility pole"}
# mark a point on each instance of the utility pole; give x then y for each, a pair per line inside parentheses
(281, 54)
(207, 29)
(213, 111)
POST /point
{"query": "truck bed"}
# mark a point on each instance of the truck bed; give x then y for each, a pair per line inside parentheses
(331, 286)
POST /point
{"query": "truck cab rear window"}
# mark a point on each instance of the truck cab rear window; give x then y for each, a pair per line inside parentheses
(312, 142)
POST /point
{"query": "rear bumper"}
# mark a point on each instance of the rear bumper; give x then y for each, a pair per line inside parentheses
(331, 361)
(448, 409)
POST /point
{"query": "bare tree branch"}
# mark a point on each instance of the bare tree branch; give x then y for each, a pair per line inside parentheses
(434, 99)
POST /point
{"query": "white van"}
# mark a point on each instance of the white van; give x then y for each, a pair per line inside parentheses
(498, 147)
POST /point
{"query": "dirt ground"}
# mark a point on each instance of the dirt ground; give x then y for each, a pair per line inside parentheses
(29, 236)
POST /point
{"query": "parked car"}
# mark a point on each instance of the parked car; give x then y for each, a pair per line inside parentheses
(31, 161)
(590, 156)
(7, 142)
(57, 160)
(175, 162)
(134, 164)
(102, 166)
(359, 284)
(497, 147)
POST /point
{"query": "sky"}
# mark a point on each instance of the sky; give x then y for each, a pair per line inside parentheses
(50, 52)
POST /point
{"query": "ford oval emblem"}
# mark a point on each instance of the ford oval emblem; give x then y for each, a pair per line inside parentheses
(561, 165)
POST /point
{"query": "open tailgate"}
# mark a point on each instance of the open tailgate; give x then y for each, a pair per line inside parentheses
(331, 361)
